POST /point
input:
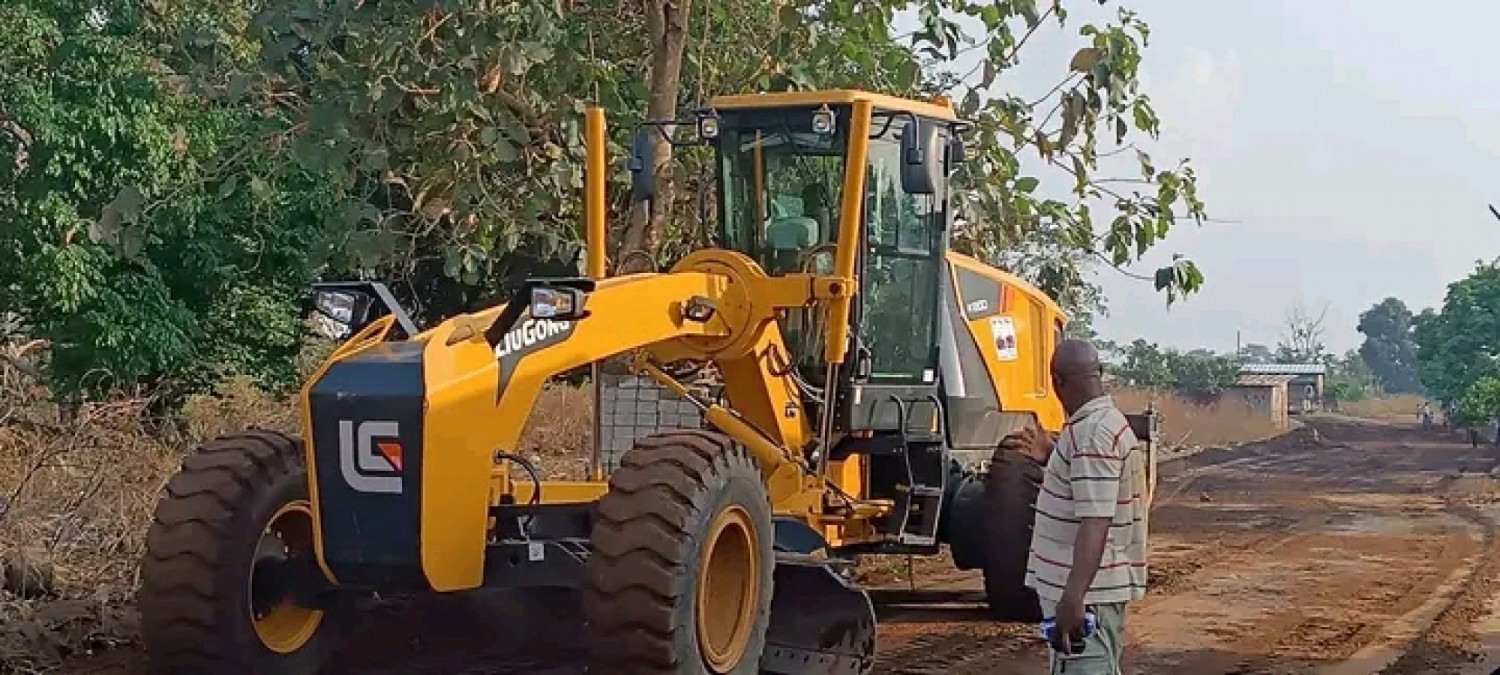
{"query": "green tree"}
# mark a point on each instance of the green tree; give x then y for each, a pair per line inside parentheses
(1389, 348)
(1459, 345)
(1144, 364)
(1350, 378)
(1201, 372)
(147, 237)
(176, 171)
(1481, 402)
(504, 83)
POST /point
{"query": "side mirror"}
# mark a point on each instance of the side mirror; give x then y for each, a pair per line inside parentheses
(643, 164)
(958, 153)
(921, 162)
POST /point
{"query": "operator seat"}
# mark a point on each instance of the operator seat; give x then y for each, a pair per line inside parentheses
(788, 236)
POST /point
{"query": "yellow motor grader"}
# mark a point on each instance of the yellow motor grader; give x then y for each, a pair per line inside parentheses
(868, 376)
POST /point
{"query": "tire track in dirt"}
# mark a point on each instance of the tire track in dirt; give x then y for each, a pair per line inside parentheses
(960, 641)
(1359, 611)
(1328, 551)
(1448, 643)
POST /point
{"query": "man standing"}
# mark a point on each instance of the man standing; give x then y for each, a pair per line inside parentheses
(1088, 547)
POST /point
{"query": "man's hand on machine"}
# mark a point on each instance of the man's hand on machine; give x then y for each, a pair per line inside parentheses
(1031, 442)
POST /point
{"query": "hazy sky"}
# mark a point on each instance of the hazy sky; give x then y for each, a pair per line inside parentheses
(1356, 146)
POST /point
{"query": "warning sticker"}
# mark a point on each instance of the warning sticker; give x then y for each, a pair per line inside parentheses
(1004, 330)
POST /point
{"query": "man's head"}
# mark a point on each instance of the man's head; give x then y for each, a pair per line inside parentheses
(1077, 374)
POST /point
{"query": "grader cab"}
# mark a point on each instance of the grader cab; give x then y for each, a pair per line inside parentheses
(866, 377)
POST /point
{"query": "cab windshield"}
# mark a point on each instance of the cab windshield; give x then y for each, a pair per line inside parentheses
(781, 185)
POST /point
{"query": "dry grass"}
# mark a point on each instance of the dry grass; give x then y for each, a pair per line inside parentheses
(1187, 423)
(1401, 407)
(560, 434)
(76, 499)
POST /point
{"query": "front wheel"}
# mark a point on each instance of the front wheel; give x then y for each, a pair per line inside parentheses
(680, 578)
(1010, 493)
(230, 544)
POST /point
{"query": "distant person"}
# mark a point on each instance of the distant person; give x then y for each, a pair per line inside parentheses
(1425, 413)
(1088, 546)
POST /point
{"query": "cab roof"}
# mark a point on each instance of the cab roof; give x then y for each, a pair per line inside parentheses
(940, 108)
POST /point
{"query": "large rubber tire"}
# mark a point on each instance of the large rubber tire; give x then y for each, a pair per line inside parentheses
(653, 528)
(1010, 492)
(195, 600)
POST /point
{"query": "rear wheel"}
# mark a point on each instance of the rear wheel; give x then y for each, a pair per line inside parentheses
(680, 578)
(1010, 492)
(231, 542)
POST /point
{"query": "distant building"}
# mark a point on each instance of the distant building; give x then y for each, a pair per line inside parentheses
(1304, 382)
(1266, 394)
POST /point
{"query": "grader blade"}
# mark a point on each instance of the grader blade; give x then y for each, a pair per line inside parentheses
(820, 623)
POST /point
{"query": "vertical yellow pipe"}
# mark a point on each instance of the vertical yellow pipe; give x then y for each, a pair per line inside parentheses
(593, 191)
(851, 229)
(595, 235)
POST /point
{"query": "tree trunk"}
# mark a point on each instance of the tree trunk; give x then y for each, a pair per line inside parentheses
(667, 28)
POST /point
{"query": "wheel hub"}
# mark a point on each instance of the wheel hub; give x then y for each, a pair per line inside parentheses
(282, 625)
(728, 589)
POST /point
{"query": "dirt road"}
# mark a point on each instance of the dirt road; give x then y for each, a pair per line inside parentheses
(1349, 548)
(1358, 549)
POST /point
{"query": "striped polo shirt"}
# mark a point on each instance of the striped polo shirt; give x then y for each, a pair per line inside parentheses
(1094, 472)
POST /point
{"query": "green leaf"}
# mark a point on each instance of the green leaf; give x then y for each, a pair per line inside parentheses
(1027, 9)
(259, 188)
(1027, 184)
(536, 53)
(1072, 112)
(453, 262)
(800, 77)
(513, 127)
(239, 85)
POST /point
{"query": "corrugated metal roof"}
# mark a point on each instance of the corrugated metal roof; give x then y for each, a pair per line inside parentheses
(1284, 368)
(1262, 380)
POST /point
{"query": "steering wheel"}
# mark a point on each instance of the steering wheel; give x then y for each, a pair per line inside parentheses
(810, 256)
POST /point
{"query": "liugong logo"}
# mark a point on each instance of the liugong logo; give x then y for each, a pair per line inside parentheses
(370, 456)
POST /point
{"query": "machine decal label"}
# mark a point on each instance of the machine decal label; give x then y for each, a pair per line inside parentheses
(1004, 330)
(978, 306)
(532, 333)
(529, 336)
(370, 456)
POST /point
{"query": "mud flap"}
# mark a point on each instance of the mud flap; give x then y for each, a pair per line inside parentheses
(820, 623)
